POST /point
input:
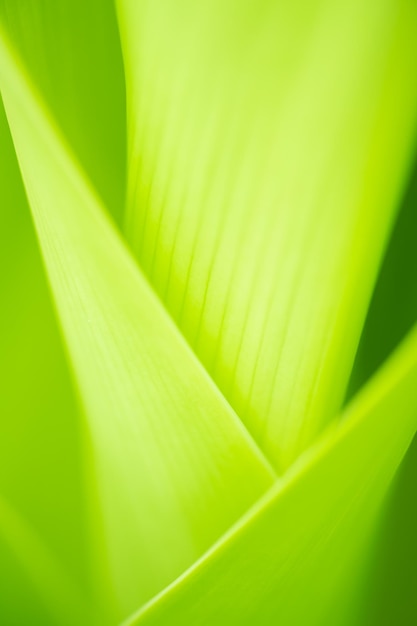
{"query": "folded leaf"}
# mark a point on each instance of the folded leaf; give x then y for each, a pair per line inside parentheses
(268, 147)
(174, 465)
(296, 558)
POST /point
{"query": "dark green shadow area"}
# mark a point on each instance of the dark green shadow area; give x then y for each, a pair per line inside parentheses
(393, 308)
(390, 595)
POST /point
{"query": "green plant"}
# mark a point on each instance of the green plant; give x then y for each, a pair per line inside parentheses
(199, 462)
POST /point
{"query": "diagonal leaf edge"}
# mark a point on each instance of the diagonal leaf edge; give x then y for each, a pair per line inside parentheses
(306, 538)
(268, 149)
(166, 442)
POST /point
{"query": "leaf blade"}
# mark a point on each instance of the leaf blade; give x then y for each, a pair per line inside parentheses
(165, 441)
(268, 147)
(306, 536)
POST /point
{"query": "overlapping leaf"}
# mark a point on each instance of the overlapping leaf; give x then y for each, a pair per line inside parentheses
(298, 557)
(262, 227)
(268, 146)
(175, 467)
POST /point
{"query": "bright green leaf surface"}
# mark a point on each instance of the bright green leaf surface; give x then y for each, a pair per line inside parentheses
(269, 142)
(174, 465)
(297, 557)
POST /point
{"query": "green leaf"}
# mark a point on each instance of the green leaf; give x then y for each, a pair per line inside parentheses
(389, 595)
(297, 557)
(268, 145)
(393, 308)
(175, 467)
(265, 171)
(72, 51)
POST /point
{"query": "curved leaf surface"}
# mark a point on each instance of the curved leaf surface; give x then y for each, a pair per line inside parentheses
(174, 465)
